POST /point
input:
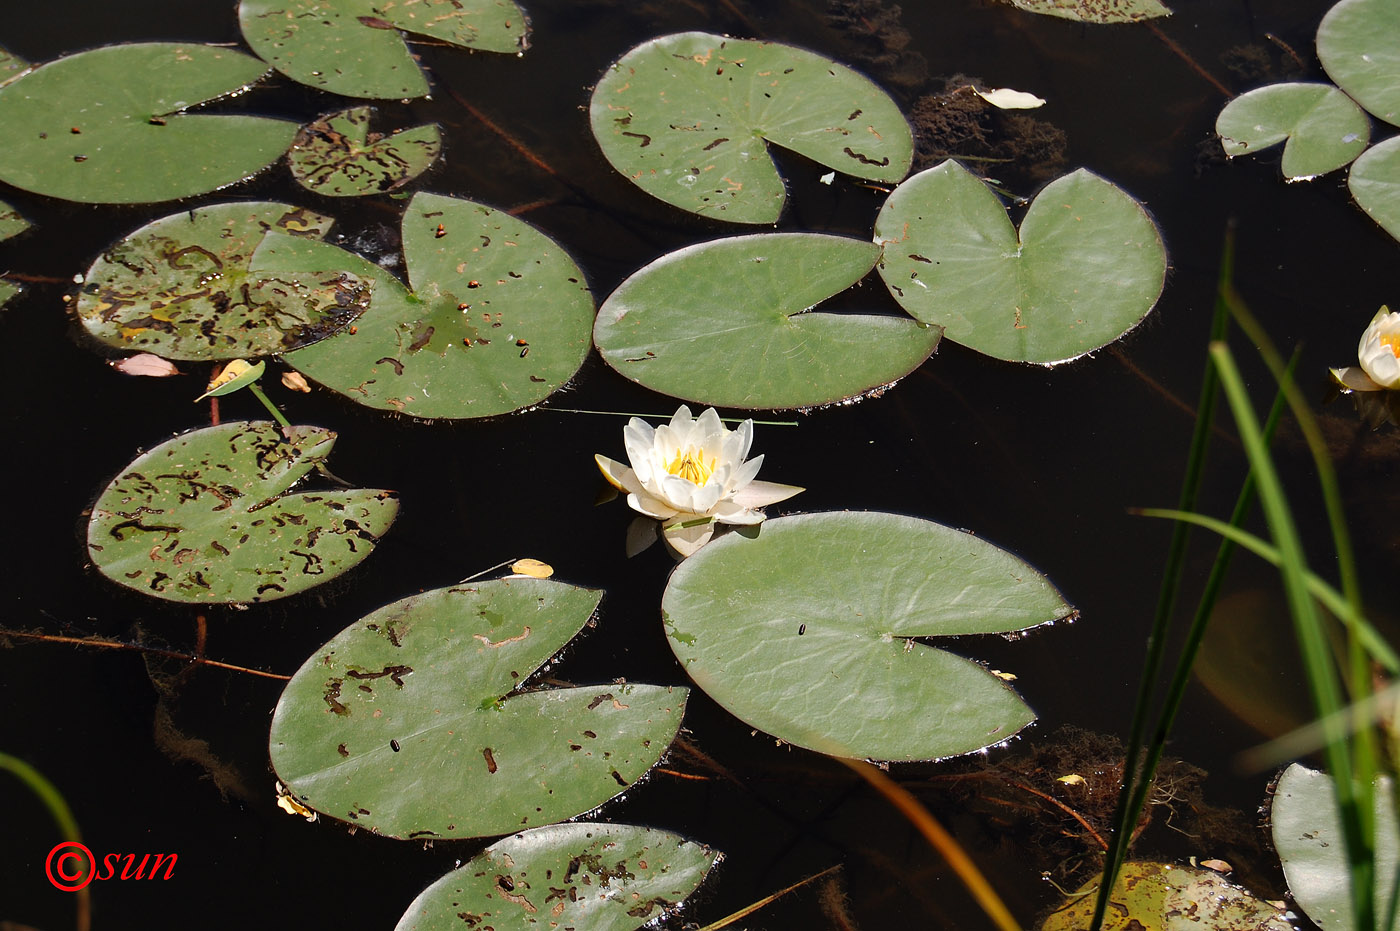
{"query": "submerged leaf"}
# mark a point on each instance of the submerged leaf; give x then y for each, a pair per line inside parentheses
(1152, 896)
(180, 287)
(431, 685)
(355, 47)
(109, 126)
(1358, 42)
(1325, 129)
(336, 155)
(835, 602)
(1096, 11)
(1087, 265)
(730, 323)
(685, 117)
(592, 877)
(205, 517)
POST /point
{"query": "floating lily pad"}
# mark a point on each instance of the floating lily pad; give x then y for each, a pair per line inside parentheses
(729, 323)
(685, 117)
(1096, 11)
(336, 155)
(1325, 128)
(1086, 267)
(12, 223)
(1307, 835)
(411, 722)
(1153, 896)
(180, 287)
(11, 66)
(205, 517)
(1358, 42)
(108, 127)
(591, 877)
(498, 320)
(808, 631)
(8, 289)
(355, 47)
(1374, 181)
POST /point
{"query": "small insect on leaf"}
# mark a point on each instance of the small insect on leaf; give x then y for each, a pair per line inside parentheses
(531, 568)
(145, 363)
(237, 374)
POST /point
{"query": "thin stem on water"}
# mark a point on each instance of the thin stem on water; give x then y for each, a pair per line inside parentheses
(272, 408)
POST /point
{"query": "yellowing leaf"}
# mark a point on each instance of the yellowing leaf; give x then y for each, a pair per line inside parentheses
(1073, 779)
(532, 568)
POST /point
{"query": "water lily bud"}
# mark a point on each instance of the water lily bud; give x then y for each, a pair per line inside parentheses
(1379, 350)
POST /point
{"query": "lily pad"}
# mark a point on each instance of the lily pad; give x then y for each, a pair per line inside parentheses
(1152, 896)
(1357, 43)
(356, 47)
(685, 117)
(1308, 837)
(108, 126)
(592, 877)
(180, 287)
(1086, 267)
(498, 319)
(1096, 11)
(729, 323)
(336, 155)
(205, 517)
(11, 66)
(1324, 127)
(12, 223)
(1374, 181)
(412, 721)
(809, 631)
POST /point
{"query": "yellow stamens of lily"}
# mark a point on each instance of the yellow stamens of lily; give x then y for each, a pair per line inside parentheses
(1391, 341)
(691, 466)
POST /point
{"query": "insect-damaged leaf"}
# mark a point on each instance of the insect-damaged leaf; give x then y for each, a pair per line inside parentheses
(730, 323)
(204, 517)
(1086, 266)
(592, 877)
(336, 155)
(180, 287)
(806, 631)
(684, 117)
(108, 126)
(1169, 897)
(1324, 128)
(355, 47)
(411, 721)
(498, 320)
(1095, 11)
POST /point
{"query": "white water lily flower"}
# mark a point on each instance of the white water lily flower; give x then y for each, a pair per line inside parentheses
(1379, 354)
(691, 474)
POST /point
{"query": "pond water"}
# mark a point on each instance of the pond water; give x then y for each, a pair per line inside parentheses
(1043, 462)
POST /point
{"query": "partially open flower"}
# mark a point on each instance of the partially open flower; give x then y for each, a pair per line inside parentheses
(690, 474)
(1379, 354)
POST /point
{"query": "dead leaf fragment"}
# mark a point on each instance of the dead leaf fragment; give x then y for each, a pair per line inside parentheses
(531, 568)
(145, 363)
(1073, 779)
(296, 382)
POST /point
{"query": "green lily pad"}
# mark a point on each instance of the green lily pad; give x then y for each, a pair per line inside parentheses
(685, 117)
(205, 517)
(592, 877)
(1357, 43)
(729, 323)
(412, 721)
(1374, 181)
(336, 155)
(1307, 835)
(1086, 267)
(180, 287)
(8, 289)
(108, 127)
(1153, 896)
(11, 66)
(807, 631)
(1096, 11)
(12, 223)
(1324, 127)
(498, 319)
(356, 48)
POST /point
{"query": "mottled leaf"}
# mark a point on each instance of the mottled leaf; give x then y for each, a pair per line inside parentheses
(1167, 897)
(808, 631)
(109, 126)
(1096, 11)
(685, 117)
(355, 47)
(730, 323)
(414, 721)
(1323, 127)
(180, 287)
(1358, 42)
(336, 155)
(205, 517)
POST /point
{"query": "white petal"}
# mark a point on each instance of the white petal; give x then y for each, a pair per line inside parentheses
(743, 475)
(651, 506)
(617, 474)
(762, 494)
(1008, 99)
(641, 533)
(1384, 368)
(704, 498)
(731, 512)
(686, 540)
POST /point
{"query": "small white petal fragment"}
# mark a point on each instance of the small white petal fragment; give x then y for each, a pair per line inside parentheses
(531, 568)
(1004, 676)
(827, 178)
(1073, 779)
(296, 382)
(145, 363)
(1008, 99)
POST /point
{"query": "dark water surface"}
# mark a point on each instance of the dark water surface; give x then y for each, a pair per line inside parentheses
(1042, 462)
